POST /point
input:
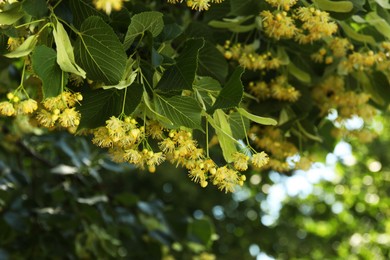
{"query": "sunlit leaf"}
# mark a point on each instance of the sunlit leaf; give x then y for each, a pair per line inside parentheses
(142, 22)
(45, 66)
(181, 110)
(99, 51)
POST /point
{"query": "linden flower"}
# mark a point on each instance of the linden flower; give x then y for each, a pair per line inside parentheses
(240, 161)
(7, 109)
(115, 128)
(101, 137)
(167, 145)
(69, 118)
(27, 106)
(197, 175)
(155, 130)
(133, 156)
(226, 179)
(199, 5)
(108, 5)
(156, 159)
(260, 159)
(46, 118)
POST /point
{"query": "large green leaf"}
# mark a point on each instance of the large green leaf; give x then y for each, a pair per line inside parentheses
(242, 7)
(212, 63)
(36, 8)
(181, 110)
(45, 66)
(99, 105)
(181, 75)
(65, 55)
(12, 14)
(142, 22)
(232, 93)
(81, 10)
(99, 51)
(163, 120)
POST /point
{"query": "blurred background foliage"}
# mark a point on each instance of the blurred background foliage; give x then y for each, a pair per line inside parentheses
(62, 198)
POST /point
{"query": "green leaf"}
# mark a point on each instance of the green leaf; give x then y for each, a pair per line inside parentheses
(257, 119)
(25, 48)
(162, 119)
(170, 32)
(239, 125)
(99, 51)
(225, 135)
(36, 8)
(181, 110)
(12, 14)
(352, 34)
(207, 89)
(299, 74)
(379, 24)
(232, 93)
(81, 10)
(142, 22)
(201, 231)
(207, 84)
(381, 86)
(181, 75)
(99, 105)
(65, 55)
(384, 3)
(242, 7)
(334, 6)
(45, 66)
(212, 63)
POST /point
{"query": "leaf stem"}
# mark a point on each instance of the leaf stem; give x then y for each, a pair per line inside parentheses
(124, 102)
(32, 22)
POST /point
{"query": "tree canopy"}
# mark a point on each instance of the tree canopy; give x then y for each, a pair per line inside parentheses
(230, 92)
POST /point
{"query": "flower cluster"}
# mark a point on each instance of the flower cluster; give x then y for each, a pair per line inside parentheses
(335, 48)
(331, 94)
(199, 5)
(271, 140)
(361, 61)
(278, 25)
(16, 106)
(305, 24)
(278, 88)
(248, 58)
(60, 111)
(127, 141)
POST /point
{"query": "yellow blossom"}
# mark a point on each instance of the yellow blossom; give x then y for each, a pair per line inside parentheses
(7, 109)
(27, 106)
(260, 159)
(46, 118)
(69, 118)
(108, 5)
(240, 161)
